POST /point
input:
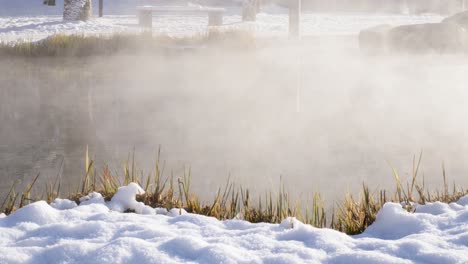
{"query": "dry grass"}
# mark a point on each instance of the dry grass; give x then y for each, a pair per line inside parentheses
(351, 216)
(61, 45)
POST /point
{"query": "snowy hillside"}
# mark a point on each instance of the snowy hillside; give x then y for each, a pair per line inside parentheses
(97, 232)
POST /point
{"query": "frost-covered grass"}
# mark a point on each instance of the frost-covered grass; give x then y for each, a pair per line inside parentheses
(81, 45)
(352, 215)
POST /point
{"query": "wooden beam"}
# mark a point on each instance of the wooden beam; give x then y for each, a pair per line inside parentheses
(101, 7)
(294, 17)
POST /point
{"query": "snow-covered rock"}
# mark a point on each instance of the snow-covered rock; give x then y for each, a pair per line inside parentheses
(415, 38)
(428, 37)
(125, 199)
(460, 19)
(374, 39)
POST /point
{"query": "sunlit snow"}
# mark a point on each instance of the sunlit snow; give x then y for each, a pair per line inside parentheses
(94, 233)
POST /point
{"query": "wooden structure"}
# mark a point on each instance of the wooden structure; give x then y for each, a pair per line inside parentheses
(101, 7)
(145, 13)
(49, 2)
(250, 9)
(294, 18)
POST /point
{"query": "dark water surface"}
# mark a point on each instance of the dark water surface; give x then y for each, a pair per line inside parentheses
(323, 117)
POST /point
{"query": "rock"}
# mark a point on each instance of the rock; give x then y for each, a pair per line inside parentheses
(460, 19)
(427, 38)
(446, 7)
(373, 40)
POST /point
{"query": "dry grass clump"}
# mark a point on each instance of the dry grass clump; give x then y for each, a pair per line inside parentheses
(355, 215)
(351, 216)
(62, 45)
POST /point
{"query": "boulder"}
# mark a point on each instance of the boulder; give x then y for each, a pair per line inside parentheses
(427, 38)
(373, 40)
(460, 19)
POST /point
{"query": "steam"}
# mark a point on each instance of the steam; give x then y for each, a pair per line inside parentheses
(223, 112)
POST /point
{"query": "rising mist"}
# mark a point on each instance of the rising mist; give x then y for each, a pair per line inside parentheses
(318, 113)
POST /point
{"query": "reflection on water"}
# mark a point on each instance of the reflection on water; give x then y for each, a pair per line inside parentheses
(235, 114)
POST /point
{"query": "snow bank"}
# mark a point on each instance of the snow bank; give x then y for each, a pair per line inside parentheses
(91, 233)
(39, 27)
(63, 204)
(92, 198)
(124, 200)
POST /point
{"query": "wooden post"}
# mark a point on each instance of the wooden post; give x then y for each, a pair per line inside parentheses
(145, 18)
(249, 10)
(404, 8)
(294, 18)
(101, 7)
(215, 18)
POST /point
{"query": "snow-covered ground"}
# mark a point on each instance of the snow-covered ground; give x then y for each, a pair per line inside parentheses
(98, 232)
(30, 20)
(14, 28)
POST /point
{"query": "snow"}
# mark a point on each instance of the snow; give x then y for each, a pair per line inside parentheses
(63, 204)
(92, 198)
(124, 199)
(176, 212)
(97, 232)
(31, 28)
(27, 20)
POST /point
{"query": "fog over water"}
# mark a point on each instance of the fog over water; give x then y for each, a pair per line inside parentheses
(318, 113)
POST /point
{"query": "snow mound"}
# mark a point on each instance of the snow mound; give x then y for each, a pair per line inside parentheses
(463, 201)
(125, 200)
(39, 213)
(176, 212)
(161, 211)
(91, 233)
(63, 204)
(290, 223)
(92, 198)
(394, 222)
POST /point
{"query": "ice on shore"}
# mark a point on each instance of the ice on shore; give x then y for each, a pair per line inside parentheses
(97, 232)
